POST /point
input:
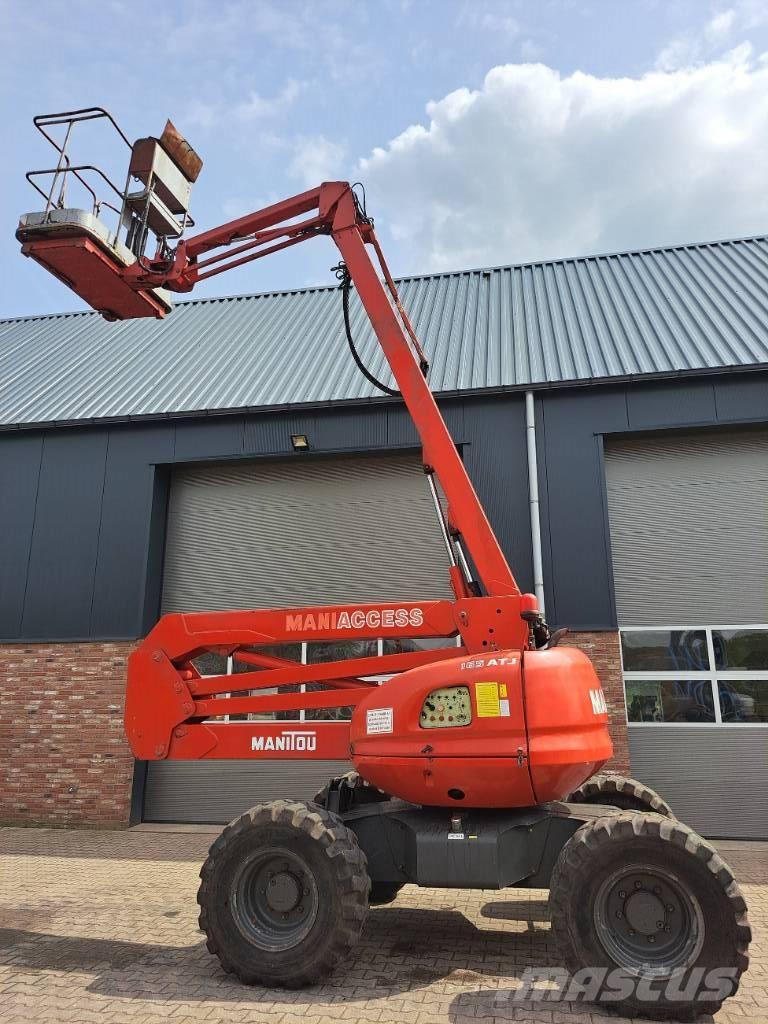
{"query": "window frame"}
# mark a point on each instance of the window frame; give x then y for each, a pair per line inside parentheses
(711, 674)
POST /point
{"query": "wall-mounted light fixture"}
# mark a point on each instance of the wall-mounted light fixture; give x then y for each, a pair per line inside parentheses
(300, 442)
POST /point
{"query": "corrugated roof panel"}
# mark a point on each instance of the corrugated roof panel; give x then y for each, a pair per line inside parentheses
(669, 310)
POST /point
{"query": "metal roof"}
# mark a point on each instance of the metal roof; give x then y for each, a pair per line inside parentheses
(688, 308)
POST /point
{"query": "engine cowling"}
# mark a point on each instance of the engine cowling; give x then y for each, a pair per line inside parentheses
(504, 729)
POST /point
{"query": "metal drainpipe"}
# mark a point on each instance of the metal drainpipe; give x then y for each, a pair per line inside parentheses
(533, 500)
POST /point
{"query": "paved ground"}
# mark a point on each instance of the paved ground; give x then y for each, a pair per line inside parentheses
(101, 927)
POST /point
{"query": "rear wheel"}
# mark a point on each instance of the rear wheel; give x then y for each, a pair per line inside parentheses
(644, 896)
(621, 792)
(284, 894)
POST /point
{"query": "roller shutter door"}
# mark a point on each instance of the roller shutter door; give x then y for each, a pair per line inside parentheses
(297, 532)
(689, 540)
(714, 777)
(302, 532)
(689, 528)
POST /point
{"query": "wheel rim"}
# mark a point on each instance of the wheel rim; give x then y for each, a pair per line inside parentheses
(648, 921)
(274, 899)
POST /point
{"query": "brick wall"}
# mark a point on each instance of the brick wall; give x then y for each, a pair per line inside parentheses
(63, 757)
(603, 650)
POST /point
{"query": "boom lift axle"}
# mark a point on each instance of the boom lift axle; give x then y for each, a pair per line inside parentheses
(464, 757)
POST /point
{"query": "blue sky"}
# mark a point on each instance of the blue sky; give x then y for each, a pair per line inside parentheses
(485, 132)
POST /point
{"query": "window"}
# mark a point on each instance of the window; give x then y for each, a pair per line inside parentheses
(310, 653)
(703, 674)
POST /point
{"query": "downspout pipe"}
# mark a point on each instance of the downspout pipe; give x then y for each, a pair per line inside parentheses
(533, 501)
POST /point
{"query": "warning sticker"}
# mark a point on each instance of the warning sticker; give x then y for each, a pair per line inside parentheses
(502, 689)
(487, 700)
(378, 720)
(504, 707)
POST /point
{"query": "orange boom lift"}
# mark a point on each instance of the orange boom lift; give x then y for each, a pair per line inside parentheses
(465, 759)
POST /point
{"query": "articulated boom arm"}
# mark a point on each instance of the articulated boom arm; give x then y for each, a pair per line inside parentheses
(335, 212)
(172, 710)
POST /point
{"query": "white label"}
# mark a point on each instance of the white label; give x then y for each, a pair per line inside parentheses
(378, 720)
(455, 835)
(504, 708)
(599, 706)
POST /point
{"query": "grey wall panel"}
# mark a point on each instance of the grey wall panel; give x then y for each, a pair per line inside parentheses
(153, 569)
(671, 404)
(715, 779)
(217, 791)
(297, 532)
(454, 415)
(209, 438)
(689, 527)
(400, 429)
(65, 540)
(271, 435)
(742, 397)
(126, 522)
(20, 456)
(578, 584)
(496, 461)
(350, 428)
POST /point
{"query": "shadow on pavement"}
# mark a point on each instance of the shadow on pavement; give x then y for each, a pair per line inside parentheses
(400, 950)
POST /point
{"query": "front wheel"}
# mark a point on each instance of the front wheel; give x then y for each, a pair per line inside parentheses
(621, 792)
(284, 894)
(652, 913)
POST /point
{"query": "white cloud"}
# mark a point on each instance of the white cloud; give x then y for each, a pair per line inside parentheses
(719, 27)
(315, 159)
(210, 113)
(694, 46)
(534, 165)
(258, 106)
(495, 21)
(702, 43)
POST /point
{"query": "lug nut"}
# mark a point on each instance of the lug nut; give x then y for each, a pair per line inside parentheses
(670, 908)
(638, 885)
(659, 924)
(622, 894)
(619, 914)
(667, 928)
(651, 938)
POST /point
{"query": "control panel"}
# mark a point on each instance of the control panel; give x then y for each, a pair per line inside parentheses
(446, 708)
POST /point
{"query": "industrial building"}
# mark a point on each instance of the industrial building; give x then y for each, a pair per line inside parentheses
(232, 456)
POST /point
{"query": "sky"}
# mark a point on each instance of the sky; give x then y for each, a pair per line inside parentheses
(485, 132)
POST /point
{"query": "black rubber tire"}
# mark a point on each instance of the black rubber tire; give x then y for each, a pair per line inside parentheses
(338, 871)
(383, 893)
(589, 862)
(362, 792)
(621, 792)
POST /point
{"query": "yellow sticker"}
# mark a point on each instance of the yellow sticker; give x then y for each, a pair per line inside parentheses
(502, 690)
(487, 699)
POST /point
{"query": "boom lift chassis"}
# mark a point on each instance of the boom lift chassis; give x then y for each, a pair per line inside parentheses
(459, 782)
